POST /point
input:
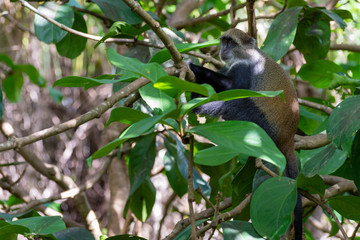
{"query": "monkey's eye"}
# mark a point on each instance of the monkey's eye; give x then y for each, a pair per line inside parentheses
(232, 43)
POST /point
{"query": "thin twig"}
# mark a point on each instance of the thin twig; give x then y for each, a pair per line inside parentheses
(227, 215)
(198, 190)
(202, 215)
(69, 193)
(191, 197)
(317, 106)
(13, 20)
(355, 231)
(217, 211)
(259, 164)
(195, 21)
(283, 9)
(102, 17)
(250, 10)
(81, 34)
(326, 208)
(167, 205)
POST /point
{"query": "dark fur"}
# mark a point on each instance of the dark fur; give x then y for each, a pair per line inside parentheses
(252, 69)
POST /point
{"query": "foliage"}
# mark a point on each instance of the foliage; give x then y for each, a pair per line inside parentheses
(164, 114)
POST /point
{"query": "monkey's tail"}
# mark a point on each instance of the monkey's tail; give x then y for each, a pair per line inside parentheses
(298, 218)
(293, 171)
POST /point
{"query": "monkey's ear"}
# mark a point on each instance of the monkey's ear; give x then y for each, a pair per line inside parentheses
(250, 41)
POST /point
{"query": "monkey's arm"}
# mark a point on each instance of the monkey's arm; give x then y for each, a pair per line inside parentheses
(218, 81)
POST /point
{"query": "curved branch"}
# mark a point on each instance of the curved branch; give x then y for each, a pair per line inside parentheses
(326, 208)
(317, 106)
(16, 143)
(82, 34)
(71, 193)
(311, 142)
(347, 47)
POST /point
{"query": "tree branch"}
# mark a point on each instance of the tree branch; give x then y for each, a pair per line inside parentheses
(82, 34)
(73, 192)
(202, 215)
(191, 197)
(53, 173)
(195, 21)
(16, 143)
(317, 106)
(311, 142)
(347, 47)
(326, 208)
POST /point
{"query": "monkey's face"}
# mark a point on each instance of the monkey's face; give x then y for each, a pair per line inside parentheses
(227, 47)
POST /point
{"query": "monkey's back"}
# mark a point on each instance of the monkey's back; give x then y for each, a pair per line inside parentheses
(279, 112)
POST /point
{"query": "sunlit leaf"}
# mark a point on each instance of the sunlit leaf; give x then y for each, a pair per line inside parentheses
(47, 32)
(281, 33)
(253, 142)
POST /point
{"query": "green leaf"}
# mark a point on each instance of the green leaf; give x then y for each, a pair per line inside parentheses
(9, 231)
(176, 180)
(320, 73)
(355, 159)
(314, 185)
(272, 205)
(173, 86)
(347, 206)
(74, 233)
(186, 233)
(151, 71)
(313, 38)
(254, 141)
(214, 156)
(344, 81)
(344, 120)
(142, 200)
(126, 115)
(48, 32)
(181, 156)
(242, 182)
(312, 121)
(335, 17)
(334, 163)
(164, 54)
(77, 81)
(142, 158)
(156, 98)
(1, 104)
(32, 73)
(12, 86)
(317, 161)
(239, 230)
(132, 131)
(7, 60)
(114, 30)
(281, 33)
(42, 225)
(117, 10)
(226, 96)
(13, 200)
(244, 93)
(125, 237)
(71, 46)
(56, 95)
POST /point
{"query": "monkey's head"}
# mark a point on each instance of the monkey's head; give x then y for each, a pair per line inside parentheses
(233, 45)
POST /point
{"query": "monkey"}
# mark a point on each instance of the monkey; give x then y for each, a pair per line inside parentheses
(247, 67)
